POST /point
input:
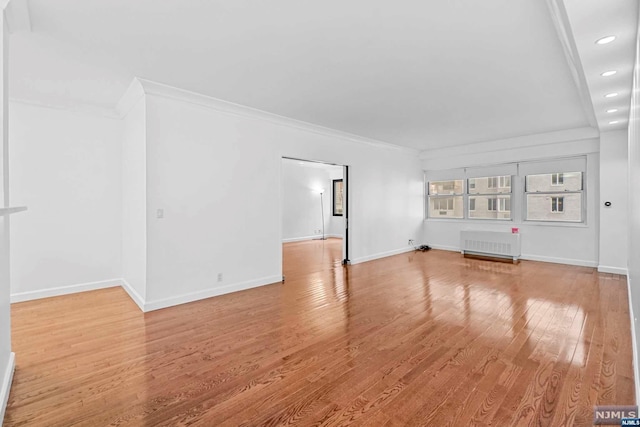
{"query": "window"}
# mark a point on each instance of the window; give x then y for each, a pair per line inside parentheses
(554, 197)
(557, 204)
(557, 178)
(490, 197)
(548, 190)
(443, 204)
(501, 204)
(496, 182)
(338, 197)
(446, 199)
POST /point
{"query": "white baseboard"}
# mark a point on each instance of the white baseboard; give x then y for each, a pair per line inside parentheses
(444, 248)
(301, 239)
(568, 261)
(381, 255)
(5, 387)
(208, 293)
(634, 343)
(612, 270)
(554, 260)
(64, 290)
(133, 294)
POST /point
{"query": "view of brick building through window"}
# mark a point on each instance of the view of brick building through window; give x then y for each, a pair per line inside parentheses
(554, 197)
(549, 197)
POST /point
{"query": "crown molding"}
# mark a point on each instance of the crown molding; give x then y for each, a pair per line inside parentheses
(92, 110)
(524, 141)
(130, 98)
(560, 20)
(162, 90)
(18, 15)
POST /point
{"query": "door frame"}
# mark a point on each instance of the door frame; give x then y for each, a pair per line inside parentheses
(345, 216)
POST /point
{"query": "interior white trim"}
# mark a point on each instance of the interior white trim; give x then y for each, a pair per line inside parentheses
(133, 294)
(444, 248)
(560, 20)
(612, 270)
(208, 293)
(130, 98)
(634, 343)
(382, 255)
(518, 142)
(555, 260)
(301, 239)
(5, 387)
(10, 211)
(158, 89)
(18, 16)
(76, 108)
(64, 290)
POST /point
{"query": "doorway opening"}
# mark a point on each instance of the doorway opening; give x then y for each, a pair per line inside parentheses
(315, 214)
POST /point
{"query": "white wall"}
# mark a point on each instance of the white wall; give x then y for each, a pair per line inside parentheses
(7, 359)
(134, 202)
(65, 167)
(614, 189)
(634, 211)
(570, 244)
(301, 216)
(214, 174)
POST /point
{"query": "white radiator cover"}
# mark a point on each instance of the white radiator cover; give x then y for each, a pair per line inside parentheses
(494, 243)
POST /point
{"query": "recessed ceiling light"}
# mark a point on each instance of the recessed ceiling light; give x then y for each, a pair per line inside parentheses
(613, 110)
(611, 95)
(613, 122)
(605, 40)
(608, 73)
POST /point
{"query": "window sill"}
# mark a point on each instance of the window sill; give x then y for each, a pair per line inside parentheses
(511, 222)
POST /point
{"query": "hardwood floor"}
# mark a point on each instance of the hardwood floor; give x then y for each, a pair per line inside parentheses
(415, 339)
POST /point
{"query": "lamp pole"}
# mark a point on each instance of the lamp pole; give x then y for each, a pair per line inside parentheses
(322, 213)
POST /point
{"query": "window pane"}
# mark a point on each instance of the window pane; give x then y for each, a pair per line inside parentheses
(490, 185)
(490, 207)
(561, 181)
(546, 207)
(446, 187)
(445, 207)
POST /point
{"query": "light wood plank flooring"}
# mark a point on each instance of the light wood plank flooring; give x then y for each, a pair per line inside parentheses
(415, 339)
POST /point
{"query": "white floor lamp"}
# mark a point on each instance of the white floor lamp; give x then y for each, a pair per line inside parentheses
(322, 213)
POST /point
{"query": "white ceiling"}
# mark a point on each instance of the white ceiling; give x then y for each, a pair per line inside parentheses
(591, 20)
(422, 74)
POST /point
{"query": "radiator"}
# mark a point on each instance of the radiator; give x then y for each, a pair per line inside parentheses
(491, 243)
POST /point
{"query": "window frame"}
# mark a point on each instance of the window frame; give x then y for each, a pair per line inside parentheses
(558, 193)
(497, 182)
(451, 196)
(558, 201)
(518, 173)
(559, 178)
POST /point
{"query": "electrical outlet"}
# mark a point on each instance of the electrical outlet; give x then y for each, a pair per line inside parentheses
(160, 213)
(411, 242)
(219, 277)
